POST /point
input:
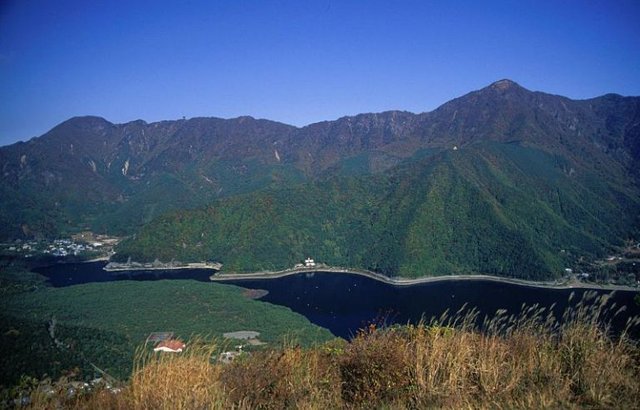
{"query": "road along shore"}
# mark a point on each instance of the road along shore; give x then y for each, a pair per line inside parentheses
(398, 281)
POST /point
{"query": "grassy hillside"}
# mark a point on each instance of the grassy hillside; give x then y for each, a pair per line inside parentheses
(517, 362)
(502, 209)
(103, 323)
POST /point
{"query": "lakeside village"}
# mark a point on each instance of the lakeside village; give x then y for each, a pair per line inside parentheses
(621, 268)
(79, 247)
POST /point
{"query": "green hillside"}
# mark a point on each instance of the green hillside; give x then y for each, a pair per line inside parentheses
(90, 174)
(103, 323)
(535, 182)
(503, 209)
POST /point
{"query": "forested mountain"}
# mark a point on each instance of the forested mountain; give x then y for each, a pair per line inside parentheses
(494, 208)
(502, 180)
(87, 171)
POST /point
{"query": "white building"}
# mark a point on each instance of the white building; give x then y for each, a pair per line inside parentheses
(309, 263)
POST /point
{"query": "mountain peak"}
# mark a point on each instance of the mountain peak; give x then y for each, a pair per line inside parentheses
(504, 84)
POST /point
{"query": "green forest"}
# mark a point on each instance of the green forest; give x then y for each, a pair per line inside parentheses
(103, 324)
(490, 208)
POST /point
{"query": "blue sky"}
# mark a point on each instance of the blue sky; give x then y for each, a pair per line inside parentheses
(298, 62)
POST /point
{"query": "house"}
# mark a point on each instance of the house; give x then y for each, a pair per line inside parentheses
(309, 263)
(170, 346)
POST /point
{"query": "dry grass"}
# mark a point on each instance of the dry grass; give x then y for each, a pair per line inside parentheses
(190, 380)
(287, 378)
(523, 361)
(177, 382)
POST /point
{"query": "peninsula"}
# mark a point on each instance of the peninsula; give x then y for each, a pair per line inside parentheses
(157, 265)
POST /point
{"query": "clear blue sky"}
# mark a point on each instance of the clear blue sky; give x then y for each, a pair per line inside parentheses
(298, 61)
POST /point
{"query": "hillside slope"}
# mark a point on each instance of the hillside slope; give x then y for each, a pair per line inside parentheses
(502, 180)
(113, 178)
(492, 208)
(90, 173)
(96, 325)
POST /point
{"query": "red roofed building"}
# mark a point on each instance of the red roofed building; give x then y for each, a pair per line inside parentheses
(171, 346)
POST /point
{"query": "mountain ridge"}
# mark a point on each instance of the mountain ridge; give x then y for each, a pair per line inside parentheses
(87, 173)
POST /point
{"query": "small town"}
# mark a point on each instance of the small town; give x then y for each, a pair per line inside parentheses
(84, 246)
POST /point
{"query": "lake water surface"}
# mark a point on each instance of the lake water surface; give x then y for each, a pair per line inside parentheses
(344, 303)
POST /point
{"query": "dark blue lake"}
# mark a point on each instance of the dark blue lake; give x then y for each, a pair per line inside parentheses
(67, 274)
(345, 303)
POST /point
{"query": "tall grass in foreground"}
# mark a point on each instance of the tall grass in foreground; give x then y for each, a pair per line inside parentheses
(528, 360)
(176, 382)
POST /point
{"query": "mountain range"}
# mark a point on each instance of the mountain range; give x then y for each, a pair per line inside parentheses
(502, 180)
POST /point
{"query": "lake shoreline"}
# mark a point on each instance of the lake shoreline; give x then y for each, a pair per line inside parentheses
(219, 276)
(401, 282)
(136, 266)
